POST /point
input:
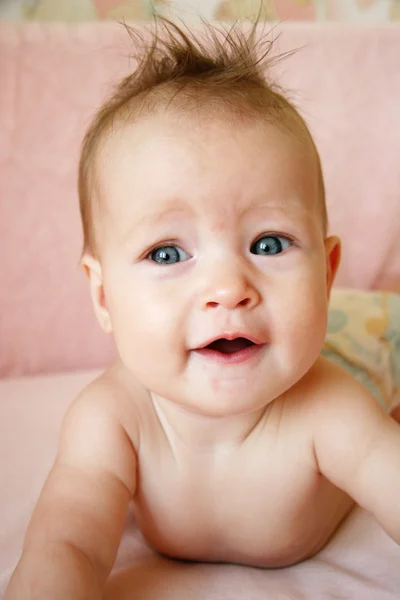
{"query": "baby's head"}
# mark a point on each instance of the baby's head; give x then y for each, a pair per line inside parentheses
(205, 226)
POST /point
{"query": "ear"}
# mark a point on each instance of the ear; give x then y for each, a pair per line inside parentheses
(93, 271)
(332, 253)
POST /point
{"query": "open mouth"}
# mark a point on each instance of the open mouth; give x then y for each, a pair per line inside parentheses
(226, 350)
(224, 346)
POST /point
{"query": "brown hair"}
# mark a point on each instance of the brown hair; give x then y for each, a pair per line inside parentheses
(226, 69)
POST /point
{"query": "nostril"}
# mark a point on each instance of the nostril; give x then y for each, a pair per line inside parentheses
(230, 297)
(244, 302)
(212, 304)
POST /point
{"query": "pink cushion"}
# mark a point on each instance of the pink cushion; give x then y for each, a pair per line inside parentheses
(346, 81)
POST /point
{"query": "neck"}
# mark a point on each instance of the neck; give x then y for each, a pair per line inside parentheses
(202, 431)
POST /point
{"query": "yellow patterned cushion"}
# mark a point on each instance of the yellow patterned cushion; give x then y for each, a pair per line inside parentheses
(364, 338)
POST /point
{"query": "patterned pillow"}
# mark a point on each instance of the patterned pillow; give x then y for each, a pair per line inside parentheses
(363, 337)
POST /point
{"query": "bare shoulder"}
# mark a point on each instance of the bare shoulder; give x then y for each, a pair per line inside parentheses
(113, 396)
(322, 389)
(356, 444)
(101, 428)
(332, 393)
(331, 405)
(346, 422)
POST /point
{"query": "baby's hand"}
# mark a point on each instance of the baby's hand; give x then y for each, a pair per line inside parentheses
(74, 534)
(357, 447)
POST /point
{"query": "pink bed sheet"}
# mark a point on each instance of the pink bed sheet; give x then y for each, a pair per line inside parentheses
(361, 562)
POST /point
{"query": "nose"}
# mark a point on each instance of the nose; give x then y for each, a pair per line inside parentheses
(229, 287)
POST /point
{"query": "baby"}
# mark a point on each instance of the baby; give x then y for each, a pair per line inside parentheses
(208, 259)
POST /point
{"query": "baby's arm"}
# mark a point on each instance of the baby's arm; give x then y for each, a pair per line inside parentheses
(74, 534)
(357, 447)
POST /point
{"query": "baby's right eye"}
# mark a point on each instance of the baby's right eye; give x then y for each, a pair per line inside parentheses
(168, 255)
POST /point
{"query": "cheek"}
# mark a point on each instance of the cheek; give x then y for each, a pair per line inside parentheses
(301, 308)
(142, 317)
(149, 333)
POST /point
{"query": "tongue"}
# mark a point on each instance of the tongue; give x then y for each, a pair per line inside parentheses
(230, 346)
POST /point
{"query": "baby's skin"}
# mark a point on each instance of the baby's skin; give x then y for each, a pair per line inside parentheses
(220, 421)
(258, 500)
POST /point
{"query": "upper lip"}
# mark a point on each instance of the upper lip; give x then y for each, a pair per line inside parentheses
(230, 336)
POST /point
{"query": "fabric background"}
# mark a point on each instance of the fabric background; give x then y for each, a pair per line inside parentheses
(300, 10)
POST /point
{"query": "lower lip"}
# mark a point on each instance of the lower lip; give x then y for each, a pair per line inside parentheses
(231, 359)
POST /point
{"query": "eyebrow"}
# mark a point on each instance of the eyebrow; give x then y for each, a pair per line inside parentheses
(158, 218)
(176, 207)
(298, 211)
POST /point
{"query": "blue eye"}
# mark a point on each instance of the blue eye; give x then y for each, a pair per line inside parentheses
(168, 255)
(270, 244)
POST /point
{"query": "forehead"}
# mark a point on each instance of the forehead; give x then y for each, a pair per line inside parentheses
(171, 164)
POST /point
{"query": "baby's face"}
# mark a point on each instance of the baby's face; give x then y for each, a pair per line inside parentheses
(211, 231)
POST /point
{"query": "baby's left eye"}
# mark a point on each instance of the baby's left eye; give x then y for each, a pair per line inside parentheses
(270, 244)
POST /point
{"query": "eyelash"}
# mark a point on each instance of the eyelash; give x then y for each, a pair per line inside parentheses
(175, 243)
(162, 245)
(275, 234)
